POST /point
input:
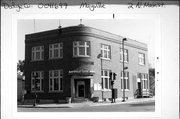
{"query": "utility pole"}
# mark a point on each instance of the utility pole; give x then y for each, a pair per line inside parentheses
(35, 75)
(100, 57)
(124, 39)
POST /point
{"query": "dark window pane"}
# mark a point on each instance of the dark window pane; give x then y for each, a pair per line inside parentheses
(55, 73)
(81, 51)
(42, 84)
(121, 84)
(61, 52)
(88, 51)
(106, 83)
(105, 54)
(75, 50)
(128, 84)
(102, 83)
(37, 55)
(125, 84)
(50, 53)
(81, 43)
(56, 84)
(61, 83)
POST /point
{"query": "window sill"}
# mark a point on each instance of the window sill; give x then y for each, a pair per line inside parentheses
(124, 62)
(80, 56)
(37, 91)
(56, 91)
(141, 64)
(105, 90)
(37, 60)
(55, 58)
(106, 59)
(125, 90)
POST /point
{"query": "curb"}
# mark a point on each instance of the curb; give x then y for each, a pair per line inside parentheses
(87, 104)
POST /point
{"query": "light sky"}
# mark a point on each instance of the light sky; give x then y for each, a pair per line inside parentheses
(137, 29)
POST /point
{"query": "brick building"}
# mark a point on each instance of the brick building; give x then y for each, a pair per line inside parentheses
(76, 61)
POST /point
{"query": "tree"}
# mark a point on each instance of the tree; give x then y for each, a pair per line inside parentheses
(152, 80)
(20, 66)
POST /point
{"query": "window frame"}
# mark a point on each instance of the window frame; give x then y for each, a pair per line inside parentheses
(107, 50)
(78, 46)
(52, 49)
(145, 85)
(127, 80)
(34, 52)
(105, 78)
(41, 78)
(126, 54)
(141, 57)
(60, 80)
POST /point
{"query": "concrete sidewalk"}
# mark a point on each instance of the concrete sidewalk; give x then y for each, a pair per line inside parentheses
(85, 104)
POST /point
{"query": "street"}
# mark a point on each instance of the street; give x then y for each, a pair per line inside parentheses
(132, 107)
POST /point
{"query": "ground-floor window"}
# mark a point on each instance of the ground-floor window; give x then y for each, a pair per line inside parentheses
(125, 82)
(55, 80)
(37, 78)
(144, 81)
(105, 79)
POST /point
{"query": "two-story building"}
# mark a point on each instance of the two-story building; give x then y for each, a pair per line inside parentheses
(75, 62)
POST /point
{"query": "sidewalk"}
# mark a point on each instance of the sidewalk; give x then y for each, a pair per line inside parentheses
(85, 104)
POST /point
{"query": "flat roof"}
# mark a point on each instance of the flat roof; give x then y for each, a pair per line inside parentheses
(86, 30)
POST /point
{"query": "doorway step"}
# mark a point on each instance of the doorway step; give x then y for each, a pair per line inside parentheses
(80, 100)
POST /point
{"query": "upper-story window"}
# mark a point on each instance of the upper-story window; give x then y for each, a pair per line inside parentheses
(141, 57)
(55, 50)
(125, 55)
(105, 51)
(37, 53)
(81, 48)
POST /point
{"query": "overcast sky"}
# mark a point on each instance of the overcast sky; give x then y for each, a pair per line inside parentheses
(136, 29)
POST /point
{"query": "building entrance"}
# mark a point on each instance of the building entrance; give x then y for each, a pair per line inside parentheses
(139, 89)
(82, 88)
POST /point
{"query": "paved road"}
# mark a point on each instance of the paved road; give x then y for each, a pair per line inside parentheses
(135, 107)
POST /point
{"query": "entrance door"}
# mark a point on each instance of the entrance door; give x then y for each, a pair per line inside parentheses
(81, 89)
(139, 88)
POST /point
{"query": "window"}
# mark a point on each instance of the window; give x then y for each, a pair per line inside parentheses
(37, 53)
(56, 50)
(141, 58)
(144, 81)
(125, 85)
(55, 80)
(105, 79)
(105, 51)
(125, 55)
(37, 82)
(81, 48)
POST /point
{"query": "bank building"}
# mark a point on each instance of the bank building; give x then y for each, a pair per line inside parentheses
(76, 62)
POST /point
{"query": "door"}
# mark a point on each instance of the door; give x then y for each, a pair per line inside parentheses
(81, 89)
(139, 88)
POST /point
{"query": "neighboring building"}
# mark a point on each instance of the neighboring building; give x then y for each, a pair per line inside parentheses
(21, 87)
(68, 63)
